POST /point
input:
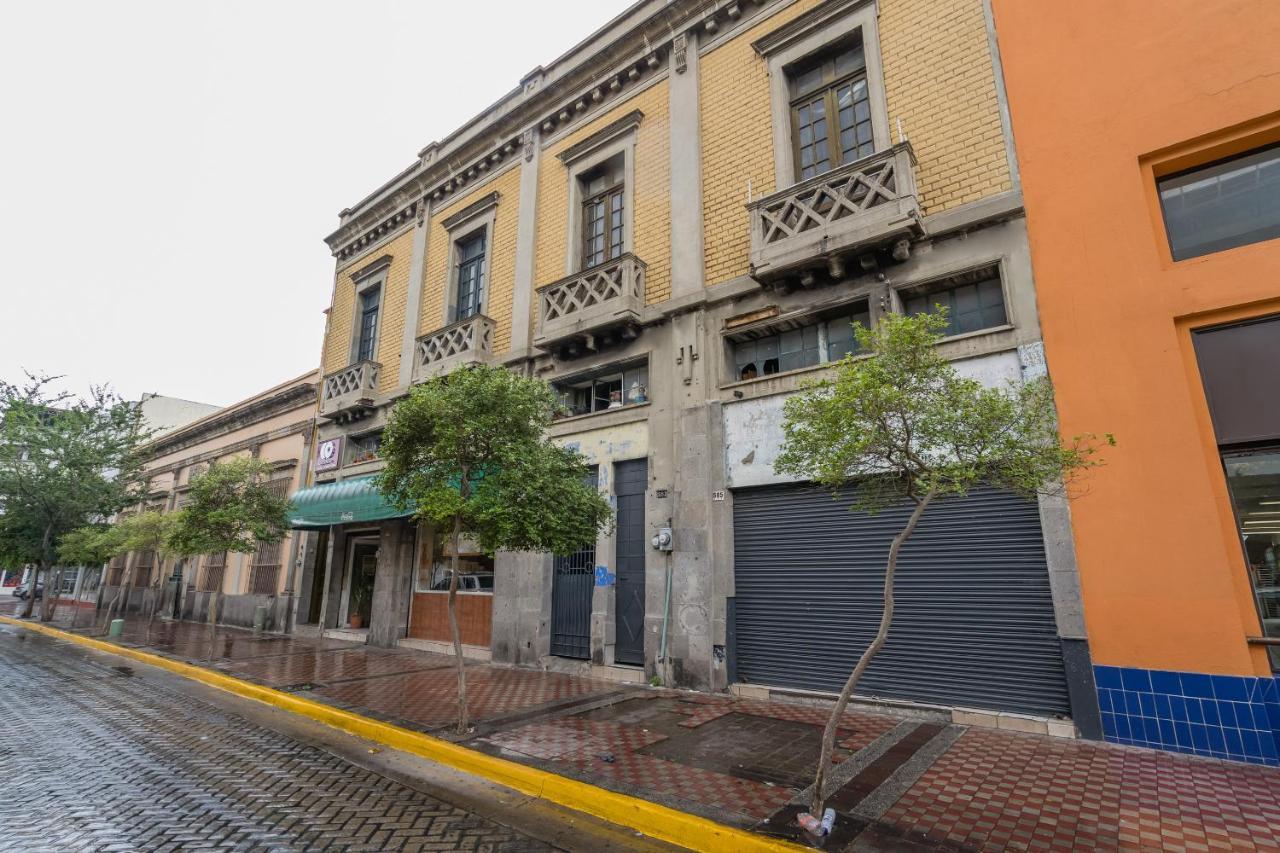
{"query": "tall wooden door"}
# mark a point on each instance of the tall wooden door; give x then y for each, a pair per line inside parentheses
(630, 483)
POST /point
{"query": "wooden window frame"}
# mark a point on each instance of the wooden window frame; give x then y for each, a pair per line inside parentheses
(614, 220)
(476, 219)
(827, 91)
(364, 297)
(616, 141)
(372, 277)
(813, 33)
(481, 261)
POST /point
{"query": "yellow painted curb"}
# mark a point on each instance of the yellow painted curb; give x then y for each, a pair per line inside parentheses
(652, 819)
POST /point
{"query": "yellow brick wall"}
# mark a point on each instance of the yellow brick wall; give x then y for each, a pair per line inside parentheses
(737, 143)
(337, 346)
(500, 277)
(938, 80)
(650, 202)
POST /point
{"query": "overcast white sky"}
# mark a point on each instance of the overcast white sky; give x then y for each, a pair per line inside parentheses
(168, 169)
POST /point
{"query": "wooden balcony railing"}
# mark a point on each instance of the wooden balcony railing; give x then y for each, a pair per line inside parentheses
(853, 209)
(468, 341)
(599, 301)
(347, 394)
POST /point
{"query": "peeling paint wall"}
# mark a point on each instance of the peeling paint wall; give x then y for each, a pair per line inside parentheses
(753, 428)
(603, 447)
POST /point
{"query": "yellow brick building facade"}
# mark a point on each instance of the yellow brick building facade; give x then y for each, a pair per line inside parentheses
(650, 239)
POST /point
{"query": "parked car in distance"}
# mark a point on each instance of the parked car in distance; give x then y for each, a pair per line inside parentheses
(21, 591)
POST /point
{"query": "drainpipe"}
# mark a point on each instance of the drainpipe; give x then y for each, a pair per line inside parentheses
(304, 478)
(666, 616)
(291, 599)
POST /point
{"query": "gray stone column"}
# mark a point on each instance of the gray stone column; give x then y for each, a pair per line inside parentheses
(413, 304)
(393, 583)
(686, 169)
(526, 236)
(521, 607)
(331, 606)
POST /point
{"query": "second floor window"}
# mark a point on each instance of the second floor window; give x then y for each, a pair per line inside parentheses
(470, 294)
(816, 342)
(370, 302)
(365, 448)
(610, 388)
(602, 213)
(830, 110)
(971, 306)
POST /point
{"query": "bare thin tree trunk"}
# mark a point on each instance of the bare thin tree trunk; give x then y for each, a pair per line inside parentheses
(155, 598)
(51, 601)
(46, 552)
(115, 599)
(28, 606)
(463, 722)
(886, 618)
(213, 621)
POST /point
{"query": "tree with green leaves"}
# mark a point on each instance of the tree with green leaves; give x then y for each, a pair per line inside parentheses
(229, 507)
(902, 426)
(468, 454)
(147, 531)
(90, 546)
(64, 462)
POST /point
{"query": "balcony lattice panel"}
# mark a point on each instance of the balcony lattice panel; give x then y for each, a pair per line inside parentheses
(840, 195)
(592, 288)
(474, 335)
(358, 378)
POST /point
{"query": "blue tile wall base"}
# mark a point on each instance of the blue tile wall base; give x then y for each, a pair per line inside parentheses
(1219, 716)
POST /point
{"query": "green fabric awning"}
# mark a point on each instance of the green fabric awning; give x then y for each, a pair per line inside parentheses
(357, 499)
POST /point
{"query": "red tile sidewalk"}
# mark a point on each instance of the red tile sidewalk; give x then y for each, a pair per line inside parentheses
(997, 791)
(740, 761)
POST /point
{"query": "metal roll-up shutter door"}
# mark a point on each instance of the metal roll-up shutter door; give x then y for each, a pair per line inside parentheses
(973, 622)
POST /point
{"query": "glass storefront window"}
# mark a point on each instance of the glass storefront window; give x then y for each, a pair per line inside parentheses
(475, 571)
(1254, 481)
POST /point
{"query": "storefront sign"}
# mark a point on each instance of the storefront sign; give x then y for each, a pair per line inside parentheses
(328, 452)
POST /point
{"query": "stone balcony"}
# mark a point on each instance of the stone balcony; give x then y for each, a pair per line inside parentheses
(592, 308)
(348, 394)
(866, 211)
(468, 341)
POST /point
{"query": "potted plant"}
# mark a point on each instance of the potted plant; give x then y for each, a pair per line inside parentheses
(359, 603)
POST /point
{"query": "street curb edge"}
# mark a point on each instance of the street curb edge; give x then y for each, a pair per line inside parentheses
(651, 819)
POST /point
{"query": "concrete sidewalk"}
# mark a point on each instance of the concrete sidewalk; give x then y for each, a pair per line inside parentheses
(900, 782)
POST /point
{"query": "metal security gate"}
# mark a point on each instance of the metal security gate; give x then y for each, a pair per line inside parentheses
(630, 483)
(974, 623)
(572, 583)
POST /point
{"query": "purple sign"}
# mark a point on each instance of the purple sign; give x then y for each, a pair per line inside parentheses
(328, 453)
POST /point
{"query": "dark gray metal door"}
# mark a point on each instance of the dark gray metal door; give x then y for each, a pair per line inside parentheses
(631, 480)
(572, 583)
(974, 623)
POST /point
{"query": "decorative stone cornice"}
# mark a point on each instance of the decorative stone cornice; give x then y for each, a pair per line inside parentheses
(371, 228)
(472, 210)
(228, 421)
(801, 25)
(629, 51)
(371, 268)
(603, 136)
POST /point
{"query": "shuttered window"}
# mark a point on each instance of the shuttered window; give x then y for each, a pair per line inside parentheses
(215, 566)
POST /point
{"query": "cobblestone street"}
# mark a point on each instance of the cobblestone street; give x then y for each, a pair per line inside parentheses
(98, 757)
(137, 762)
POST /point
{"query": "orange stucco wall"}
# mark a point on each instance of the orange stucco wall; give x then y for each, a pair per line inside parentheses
(1105, 97)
